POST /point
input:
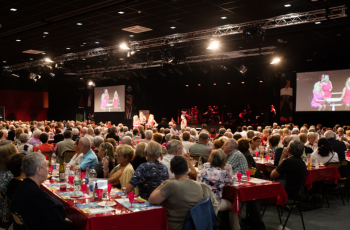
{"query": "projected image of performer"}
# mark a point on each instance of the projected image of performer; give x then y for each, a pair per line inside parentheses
(194, 115)
(346, 94)
(272, 114)
(104, 99)
(286, 103)
(183, 122)
(326, 86)
(115, 100)
(142, 118)
(318, 100)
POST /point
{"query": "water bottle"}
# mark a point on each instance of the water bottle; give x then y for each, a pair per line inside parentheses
(77, 179)
(53, 160)
(93, 176)
(87, 175)
(200, 163)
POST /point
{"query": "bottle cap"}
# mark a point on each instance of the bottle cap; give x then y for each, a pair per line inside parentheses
(92, 168)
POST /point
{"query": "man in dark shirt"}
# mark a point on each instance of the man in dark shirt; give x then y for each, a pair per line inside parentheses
(338, 146)
(141, 128)
(14, 165)
(11, 133)
(113, 134)
(221, 133)
(279, 151)
(292, 167)
(39, 210)
(164, 124)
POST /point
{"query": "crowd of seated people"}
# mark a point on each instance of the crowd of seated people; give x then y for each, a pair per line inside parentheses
(157, 164)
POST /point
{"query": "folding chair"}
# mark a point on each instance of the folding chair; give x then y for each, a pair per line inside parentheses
(68, 155)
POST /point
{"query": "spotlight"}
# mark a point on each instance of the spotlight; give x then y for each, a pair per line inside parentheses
(275, 60)
(90, 83)
(223, 17)
(13, 9)
(79, 24)
(223, 67)
(287, 5)
(124, 46)
(186, 85)
(243, 69)
(213, 45)
(48, 60)
(228, 83)
(214, 84)
(167, 57)
(15, 75)
(261, 81)
(242, 82)
(52, 74)
(199, 84)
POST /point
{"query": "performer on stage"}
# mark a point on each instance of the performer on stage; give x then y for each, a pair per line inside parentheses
(272, 114)
(286, 103)
(210, 114)
(183, 122)
(318, 99)
(115, 100)
(142, 118)
(151, 121)
(104, 99)
(326, 87)
(346, 94)
(136, 122)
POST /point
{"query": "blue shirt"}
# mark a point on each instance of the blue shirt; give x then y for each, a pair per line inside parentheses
(148, 176)
(89, 159)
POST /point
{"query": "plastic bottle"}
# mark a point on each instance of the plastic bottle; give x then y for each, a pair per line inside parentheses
(92, 178)
(200, 163)
(77, 179)
(53, 160)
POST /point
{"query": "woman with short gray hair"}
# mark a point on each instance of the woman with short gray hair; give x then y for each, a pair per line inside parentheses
(24, 148)
(148, 137)
(29, 195)
(216, 177)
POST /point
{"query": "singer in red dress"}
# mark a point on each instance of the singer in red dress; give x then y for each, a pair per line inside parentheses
(104, 99)
(115, 100)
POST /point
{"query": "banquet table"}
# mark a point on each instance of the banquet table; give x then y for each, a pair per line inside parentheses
(325, 173)
(269, 191)
(120, 218)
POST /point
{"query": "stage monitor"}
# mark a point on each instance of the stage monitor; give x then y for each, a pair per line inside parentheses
(323, 91)
(110, 99)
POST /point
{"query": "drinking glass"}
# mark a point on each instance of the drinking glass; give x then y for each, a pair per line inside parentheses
(305, 159)
(248, 174)
(51, 169)
(123, 193)
(239, 177)
(70, 179)
(105, 198)
(131, 197)
(267, 158)
(99, 192)
(83, 188)
(256, 154)
(109, 189)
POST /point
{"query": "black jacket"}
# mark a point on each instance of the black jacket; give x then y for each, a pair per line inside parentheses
(38, 209)
(57, 138)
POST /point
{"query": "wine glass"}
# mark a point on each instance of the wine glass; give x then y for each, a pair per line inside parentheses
(105, 198)
(239, 177)
(131, 197)
(123, 193)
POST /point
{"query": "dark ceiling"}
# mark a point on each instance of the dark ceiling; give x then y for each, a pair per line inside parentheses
(102, 23)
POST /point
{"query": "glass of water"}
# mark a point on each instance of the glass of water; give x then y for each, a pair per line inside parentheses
(123, 193)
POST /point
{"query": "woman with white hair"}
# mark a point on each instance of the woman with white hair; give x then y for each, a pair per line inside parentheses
(148, 137)
(35, 139)
(346, 94)
(3, 134)
(326, 85)
(318, 100)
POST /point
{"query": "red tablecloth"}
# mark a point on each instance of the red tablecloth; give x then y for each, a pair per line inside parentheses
(269, 191)
(329, 174)
(121, 218)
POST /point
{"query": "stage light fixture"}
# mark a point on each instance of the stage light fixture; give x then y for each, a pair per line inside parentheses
(242, 82)
(173, 27)
(15, 75)
(79, 24)
(131, 35)
(261, 81)
(48, 60)
(287, 5)
(52, 74)
(97, 42)
(214, 84)
(4, 61)
(228, 83)
(120, 12)
(34, 77)
(317, 23)
(223, 17)
(124, 46)
(13, 9)
(18, 40)
(186, 85)
(43, 53)
(199, 84)
(275, 60)
(90, 83)
(68, 48)
(243, 69)
(213, 45)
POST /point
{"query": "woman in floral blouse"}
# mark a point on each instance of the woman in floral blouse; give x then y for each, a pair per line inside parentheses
(7, 149)
(215, 175)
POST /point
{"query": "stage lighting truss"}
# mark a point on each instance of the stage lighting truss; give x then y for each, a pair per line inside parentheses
(270, 23)
(207, 57)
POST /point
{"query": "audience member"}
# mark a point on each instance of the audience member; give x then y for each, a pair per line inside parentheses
(324, 152)
(89, 158)
(45, 147)
(78, 154)
(338, 146)
(201, 148)
(14, 165)
(140, 155)
(234, 157)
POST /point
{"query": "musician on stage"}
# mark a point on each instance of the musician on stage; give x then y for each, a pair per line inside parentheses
(210, 114)
(194, 114)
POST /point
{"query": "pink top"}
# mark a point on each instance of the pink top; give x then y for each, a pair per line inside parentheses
(115, 102)
(104, 101)
(142, 119)
(318, 96)
(346, 99)
(150, 123)
(326, 88)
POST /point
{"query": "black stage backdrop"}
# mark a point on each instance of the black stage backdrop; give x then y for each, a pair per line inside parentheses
(164, 96)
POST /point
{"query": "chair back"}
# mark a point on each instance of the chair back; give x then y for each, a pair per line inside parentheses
(334, 164)
(68, 155)
(252, 171)
(48, 155)
(201, 216)
(250, 165)
(196, 158)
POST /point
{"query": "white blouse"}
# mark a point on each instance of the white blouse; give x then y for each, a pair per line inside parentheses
(76, 159)
(324, 160)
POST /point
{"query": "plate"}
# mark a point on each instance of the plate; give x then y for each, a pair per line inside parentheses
(109, 203)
